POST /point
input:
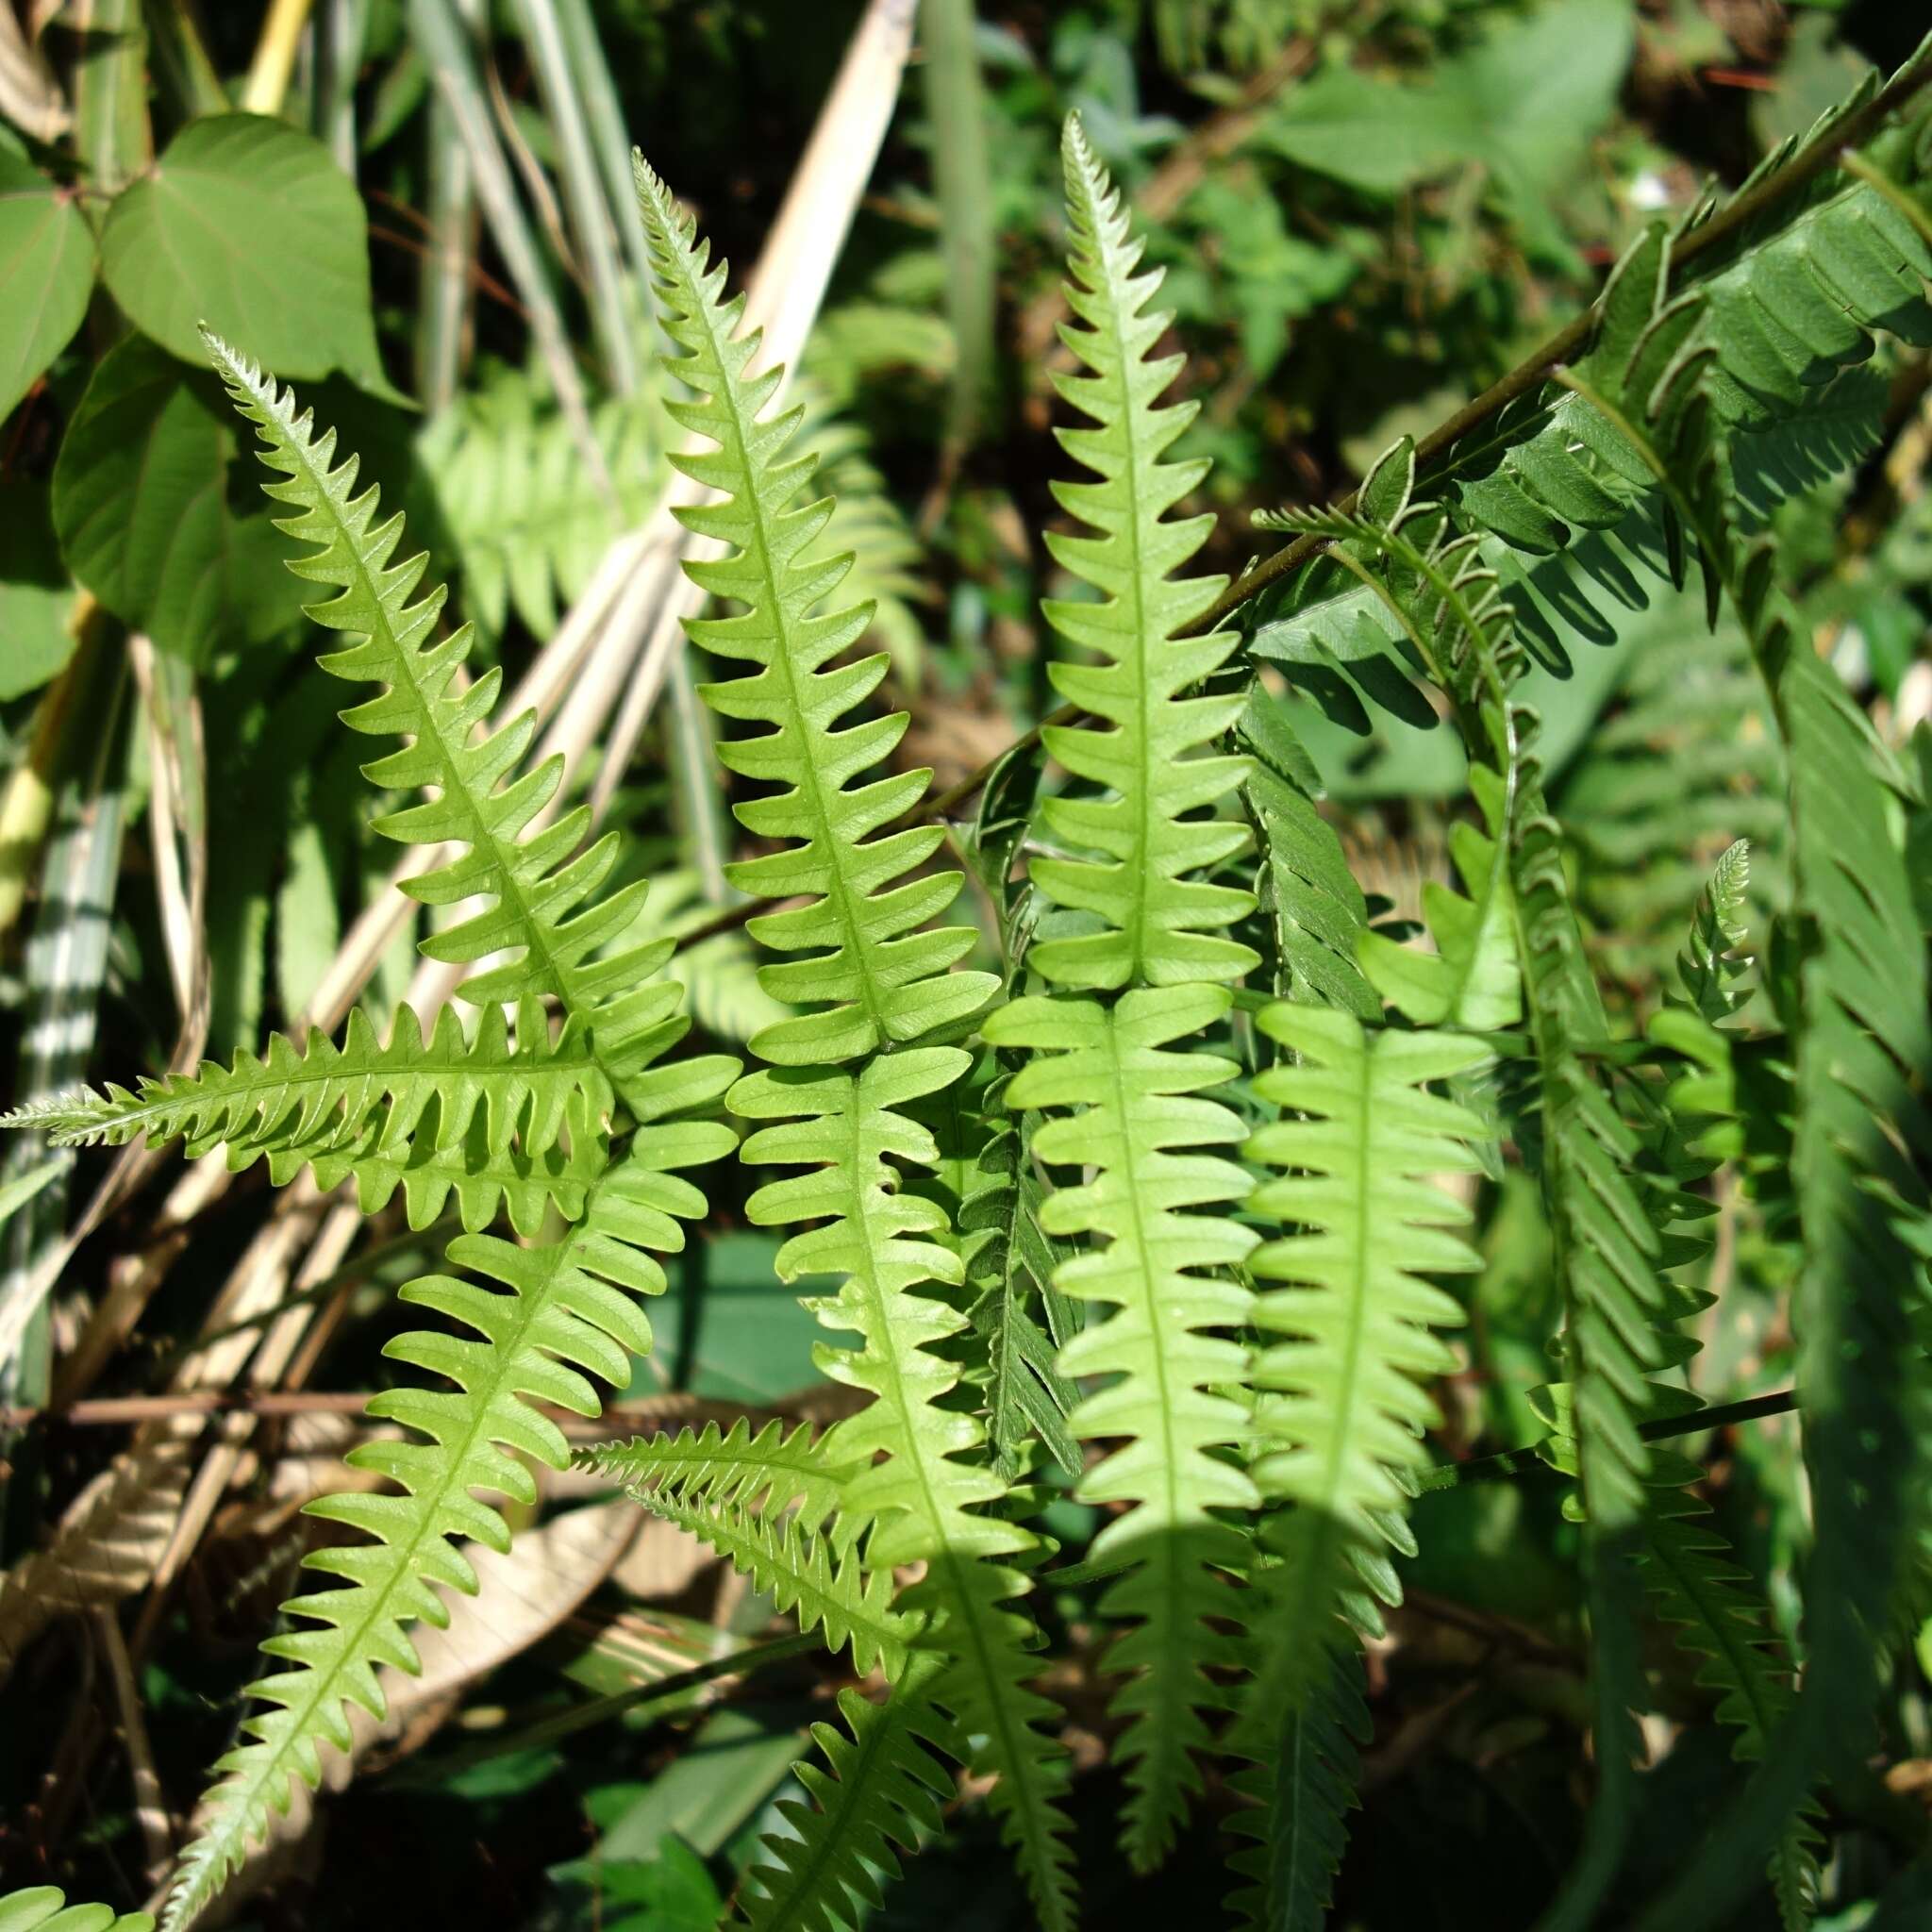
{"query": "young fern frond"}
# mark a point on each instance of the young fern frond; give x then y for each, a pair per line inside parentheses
(1341, 1398)
(880, 978)
(1159, 925)
(542, 906)
(566, 1315)
(1128, 1109)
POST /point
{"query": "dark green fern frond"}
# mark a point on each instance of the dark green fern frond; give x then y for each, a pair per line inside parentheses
(1011, 1259)
(882, 1797)
(874, 972)
(1128, 1109)
(542, 890)
(1863, 1141)
(1302, 1789)
(566, 1315)
(1160, 925)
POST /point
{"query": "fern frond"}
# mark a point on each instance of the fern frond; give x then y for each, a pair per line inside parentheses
(1133, 1116)
(880, 977)
(539, 895)
(318, 1099)
(914, 1496)
(1159, 926)
(876, 973)
(1317, 910)
(883, 1797)
(794, 1565)
(44, 1908)
(1708, 965)
(1341, 1383)
(1864, 1140)
(769, 1467)
(1302, 1789)
(565, 1317)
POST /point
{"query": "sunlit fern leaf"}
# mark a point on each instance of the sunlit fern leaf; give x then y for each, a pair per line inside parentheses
(1130, 1110)
(880, 977)
(485, 1181)
(764, 1499)
(567, 1315)
(883, 1797)
(1160, 926)
(540, 889)
(1303, 1786)
(1342, 1382)
(915, 1498)
(321, 1100)
(44, 1908)
(874, 970)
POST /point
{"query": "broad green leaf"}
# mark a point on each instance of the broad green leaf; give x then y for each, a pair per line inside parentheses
(247, 225)
(1524, 103)
(139, 497)
(46, 268)
(35, 594)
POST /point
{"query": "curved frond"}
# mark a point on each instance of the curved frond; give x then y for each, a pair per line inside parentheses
(542, 906)
(565, 1315)
(883, 1797)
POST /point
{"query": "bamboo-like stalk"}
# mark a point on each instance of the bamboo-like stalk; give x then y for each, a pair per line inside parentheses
(447, 47)
(957, 106)
(583, 191)
(267, 85)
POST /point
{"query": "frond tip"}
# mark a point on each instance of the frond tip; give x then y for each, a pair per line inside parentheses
(1162, 926)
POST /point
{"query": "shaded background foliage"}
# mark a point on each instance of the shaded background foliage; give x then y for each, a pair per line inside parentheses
(1367, 213)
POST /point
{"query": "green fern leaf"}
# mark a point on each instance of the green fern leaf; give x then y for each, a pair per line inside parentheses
(1343, 1399)
(564, 1318)
(875, 972)
(1160, 927)
(1136, 1117)
(430, 1092)
(762, 1501)
(914, 1497)
(44, 1908)
(883, 1797)
(539, 891)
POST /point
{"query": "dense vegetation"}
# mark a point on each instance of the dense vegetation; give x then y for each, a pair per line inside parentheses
(1152, 1115)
